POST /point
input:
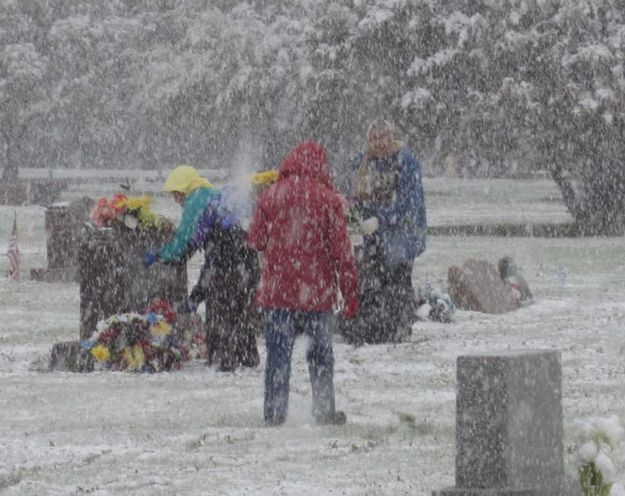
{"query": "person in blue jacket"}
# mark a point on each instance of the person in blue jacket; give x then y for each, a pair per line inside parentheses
(230, 271)
(387, 192)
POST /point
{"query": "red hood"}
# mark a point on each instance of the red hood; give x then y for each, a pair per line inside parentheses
(307, 160)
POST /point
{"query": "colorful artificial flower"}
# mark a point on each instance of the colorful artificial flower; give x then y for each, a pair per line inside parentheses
(162, 307)
(138, 202)
(149, 219)
(133, 357)
(103, 213)
(131, 212)
(139, 342)
(149, 351)
(119, 202)
(101, 353)
(161, 328)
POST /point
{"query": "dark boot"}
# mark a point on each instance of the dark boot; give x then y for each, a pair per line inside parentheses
(400, 302)
(246, 349)
(226, 354)
(212, 345)
(337, 418)
(275, 420)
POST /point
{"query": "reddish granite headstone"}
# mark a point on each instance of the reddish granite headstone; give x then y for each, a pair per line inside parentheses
(478, 286)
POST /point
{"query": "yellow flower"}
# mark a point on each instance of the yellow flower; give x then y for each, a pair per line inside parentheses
(264, 178)
(138, 202)
(133, 357)
(148, 218)
(101, 353)
(161, 328)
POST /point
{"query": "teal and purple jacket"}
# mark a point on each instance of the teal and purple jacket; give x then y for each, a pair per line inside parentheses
(203, 211)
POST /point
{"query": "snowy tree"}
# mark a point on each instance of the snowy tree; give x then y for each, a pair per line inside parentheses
(96, 85)
(23, 97)
(580, 112)
(533, 82)
(331, 104)
(494, 88)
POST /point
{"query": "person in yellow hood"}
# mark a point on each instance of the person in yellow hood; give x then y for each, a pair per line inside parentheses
(230, 271)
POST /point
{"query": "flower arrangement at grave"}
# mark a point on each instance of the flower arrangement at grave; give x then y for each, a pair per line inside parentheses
(139, 342)
(597, 454)
(129, 212)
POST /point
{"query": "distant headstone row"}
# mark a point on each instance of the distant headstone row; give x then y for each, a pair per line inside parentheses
(32, 191)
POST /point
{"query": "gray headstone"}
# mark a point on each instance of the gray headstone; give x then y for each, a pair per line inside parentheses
(64, 222)
(113, 279)
(68, 356)
(509, 424)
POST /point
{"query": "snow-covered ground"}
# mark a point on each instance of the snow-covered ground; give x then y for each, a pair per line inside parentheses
(200, 432)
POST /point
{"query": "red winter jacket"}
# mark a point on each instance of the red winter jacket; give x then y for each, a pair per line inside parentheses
(299, 224)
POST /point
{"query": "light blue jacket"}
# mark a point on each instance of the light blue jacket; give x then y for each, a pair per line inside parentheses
(401, 235)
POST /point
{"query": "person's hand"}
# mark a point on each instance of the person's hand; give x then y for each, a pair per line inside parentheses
(369, 226)
(191, 306)
(349, 309)
(150, 258)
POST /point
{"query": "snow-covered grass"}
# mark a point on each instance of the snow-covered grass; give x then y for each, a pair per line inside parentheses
(200, 432)
(452, 201)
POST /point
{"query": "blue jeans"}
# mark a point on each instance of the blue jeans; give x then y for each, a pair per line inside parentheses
(281, 329)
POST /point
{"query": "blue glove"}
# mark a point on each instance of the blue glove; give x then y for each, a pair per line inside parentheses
(150, 258)
(191, 306)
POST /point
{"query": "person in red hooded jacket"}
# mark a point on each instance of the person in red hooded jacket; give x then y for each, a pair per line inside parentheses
(299, 226)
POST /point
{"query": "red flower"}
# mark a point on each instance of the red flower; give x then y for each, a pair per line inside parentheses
(108, 336)
(162, 307)
(103, 213)
(148, 350)
(118, 202)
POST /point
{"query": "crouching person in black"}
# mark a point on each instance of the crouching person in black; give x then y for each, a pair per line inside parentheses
(230, 272)
(227, 286)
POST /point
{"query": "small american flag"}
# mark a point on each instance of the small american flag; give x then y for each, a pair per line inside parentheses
(14, 253)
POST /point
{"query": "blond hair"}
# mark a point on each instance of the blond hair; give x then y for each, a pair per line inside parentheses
(363, 186)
